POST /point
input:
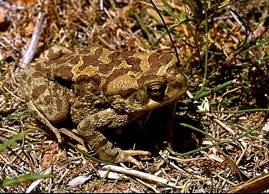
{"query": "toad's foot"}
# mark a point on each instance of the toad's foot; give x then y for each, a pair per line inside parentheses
(127, 156)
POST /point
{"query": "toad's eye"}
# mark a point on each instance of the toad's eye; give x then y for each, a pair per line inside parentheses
(156, 91)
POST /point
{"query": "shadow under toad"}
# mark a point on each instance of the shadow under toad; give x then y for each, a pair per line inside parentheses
(155, 132)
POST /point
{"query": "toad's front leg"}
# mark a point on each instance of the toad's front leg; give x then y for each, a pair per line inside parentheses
(89, 129)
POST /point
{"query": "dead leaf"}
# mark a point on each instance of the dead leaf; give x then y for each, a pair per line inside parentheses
(51, 155)
(29, 29)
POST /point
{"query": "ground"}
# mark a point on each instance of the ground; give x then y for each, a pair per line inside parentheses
(221, 137)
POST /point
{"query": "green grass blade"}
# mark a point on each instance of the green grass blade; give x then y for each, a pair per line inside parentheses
(23, 178)
(13, 140)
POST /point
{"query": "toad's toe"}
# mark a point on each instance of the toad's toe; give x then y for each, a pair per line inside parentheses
(127, 156)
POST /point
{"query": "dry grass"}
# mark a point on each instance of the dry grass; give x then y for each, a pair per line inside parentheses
(226, 101)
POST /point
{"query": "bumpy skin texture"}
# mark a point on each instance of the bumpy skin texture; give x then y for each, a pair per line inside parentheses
(100, 89)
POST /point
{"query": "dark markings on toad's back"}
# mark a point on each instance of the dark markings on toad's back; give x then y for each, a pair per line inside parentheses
(38, 67)
(171, 72)
(48, 99)
(96, 79)
(114, 56)
(36, 74)
(42, 71)
(114, 62)
(83, 78)
(156, 60)
(74, 60)
(91, 59)
(126, 54)
(64, 72)
(105, 68)
(85, 51)
(116, 59)
(135, 63)
(114, 75)
(37, 91)
(120, 56)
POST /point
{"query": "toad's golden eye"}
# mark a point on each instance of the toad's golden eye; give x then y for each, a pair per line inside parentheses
(156, 91)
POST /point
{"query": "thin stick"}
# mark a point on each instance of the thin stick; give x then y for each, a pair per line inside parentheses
(29, 53)
(141, 175)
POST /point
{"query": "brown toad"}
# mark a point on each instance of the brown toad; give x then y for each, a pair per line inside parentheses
(100, 89)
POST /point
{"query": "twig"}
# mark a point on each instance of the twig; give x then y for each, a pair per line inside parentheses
(241, 156)
(147, 185)
(71, 135)
(224, 179)
(141, 175)
(224, 126)
(29, 53)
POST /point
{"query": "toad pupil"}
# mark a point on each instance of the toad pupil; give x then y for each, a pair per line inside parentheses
(156, 91)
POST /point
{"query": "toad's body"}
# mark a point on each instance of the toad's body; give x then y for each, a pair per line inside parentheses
(98, 89)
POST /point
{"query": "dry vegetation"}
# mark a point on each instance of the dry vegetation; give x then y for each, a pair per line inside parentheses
(222, 135)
